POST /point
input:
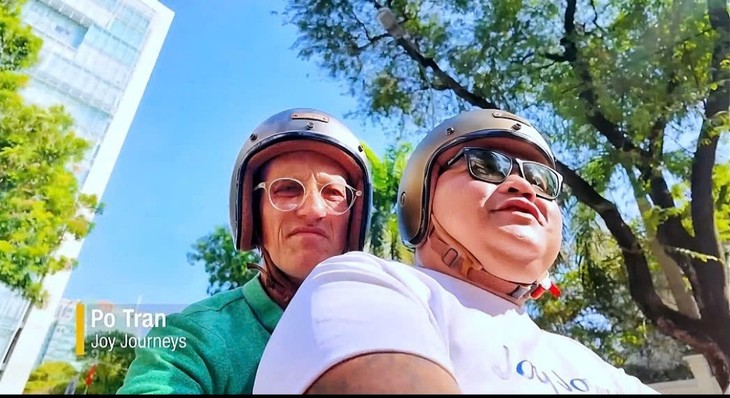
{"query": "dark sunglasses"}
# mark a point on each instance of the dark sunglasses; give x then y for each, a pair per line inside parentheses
(492, 166)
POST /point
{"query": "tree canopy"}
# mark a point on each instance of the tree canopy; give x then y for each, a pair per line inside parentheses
(633, 94)
(40, 202)
(226, 268)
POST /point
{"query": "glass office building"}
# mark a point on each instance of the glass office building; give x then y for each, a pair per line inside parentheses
(60, 344)
(96, 60)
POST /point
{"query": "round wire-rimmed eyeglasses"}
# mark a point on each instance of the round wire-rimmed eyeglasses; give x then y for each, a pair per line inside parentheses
(288, 194)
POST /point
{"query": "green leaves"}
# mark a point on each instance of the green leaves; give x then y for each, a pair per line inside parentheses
(18, 46)
(384, 237)
(621, 87)
(110, 366)
(226, 267)
(40, 202)
(39, 196)
(51, 377)
(387, 95)
(596, 308)
(722, 201)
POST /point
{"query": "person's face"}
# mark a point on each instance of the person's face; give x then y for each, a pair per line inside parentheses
(512, 232)
(299, 239)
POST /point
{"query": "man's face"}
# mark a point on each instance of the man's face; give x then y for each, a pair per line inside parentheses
(512, 232)
(299, 239)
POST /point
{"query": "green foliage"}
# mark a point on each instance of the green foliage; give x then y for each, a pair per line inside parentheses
(51, 377)
(387, 95)
(111, 365)
(638, 72)
(663, 69)
(384, 237)
(226, 267)
(721, 182)
(40, 203)
(39, 197)
(682, 197)
(596, 309)
(20, 47)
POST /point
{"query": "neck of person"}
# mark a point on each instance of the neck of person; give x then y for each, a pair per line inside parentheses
(279, 286)
(440, 252)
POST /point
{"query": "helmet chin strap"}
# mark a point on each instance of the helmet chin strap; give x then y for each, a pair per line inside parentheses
(278, 285)
(456, 258)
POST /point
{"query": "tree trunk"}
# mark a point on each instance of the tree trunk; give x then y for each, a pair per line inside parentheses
(708, 277)
(683, 300)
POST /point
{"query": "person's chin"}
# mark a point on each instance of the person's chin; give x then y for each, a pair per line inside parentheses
(521, 235)
(308, 258)
(515, 266)
(304, 266)
(517, 246)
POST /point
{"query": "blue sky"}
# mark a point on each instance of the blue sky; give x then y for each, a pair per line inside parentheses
(226, 65)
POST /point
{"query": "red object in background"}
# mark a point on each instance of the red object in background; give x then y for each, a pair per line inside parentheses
(90, 375)
(553, 289)
(537, 292)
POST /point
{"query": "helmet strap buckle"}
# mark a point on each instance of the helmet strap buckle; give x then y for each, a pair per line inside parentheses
(458, 259)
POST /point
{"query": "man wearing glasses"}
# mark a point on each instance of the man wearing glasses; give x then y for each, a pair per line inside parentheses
(300, 193)
(477, 199)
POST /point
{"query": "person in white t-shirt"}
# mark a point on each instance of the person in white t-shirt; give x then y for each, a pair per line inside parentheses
(478, 201)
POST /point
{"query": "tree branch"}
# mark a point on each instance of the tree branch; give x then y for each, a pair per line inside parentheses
(587, 93)
(674, 234)
(641, 285)
(656, 134)
(670, 232)
(710, 297)
(448, 81)
(640, 281)
(716, 108)
(595, 18)
(371, 41)
(461, 91)
(713, 274)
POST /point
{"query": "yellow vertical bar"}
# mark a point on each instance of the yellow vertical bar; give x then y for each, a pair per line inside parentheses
(80, 329)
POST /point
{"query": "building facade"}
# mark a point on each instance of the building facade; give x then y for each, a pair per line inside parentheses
(96, 60)
(60, 344)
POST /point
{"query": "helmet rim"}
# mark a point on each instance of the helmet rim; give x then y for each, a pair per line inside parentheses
(309, 129)
(417, 183)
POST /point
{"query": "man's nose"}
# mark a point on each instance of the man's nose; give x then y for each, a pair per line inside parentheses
(516, 184)
(313, 206)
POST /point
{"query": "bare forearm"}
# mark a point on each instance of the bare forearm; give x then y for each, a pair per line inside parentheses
(385, 373)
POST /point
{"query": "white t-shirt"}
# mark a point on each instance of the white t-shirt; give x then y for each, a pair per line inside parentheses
(357, 303)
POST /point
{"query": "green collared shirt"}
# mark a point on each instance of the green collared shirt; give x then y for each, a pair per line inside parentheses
(224, 336)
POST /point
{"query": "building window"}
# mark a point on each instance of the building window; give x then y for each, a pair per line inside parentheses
(126, 33)
(108, 4)
(111, 45)
(54, 24)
